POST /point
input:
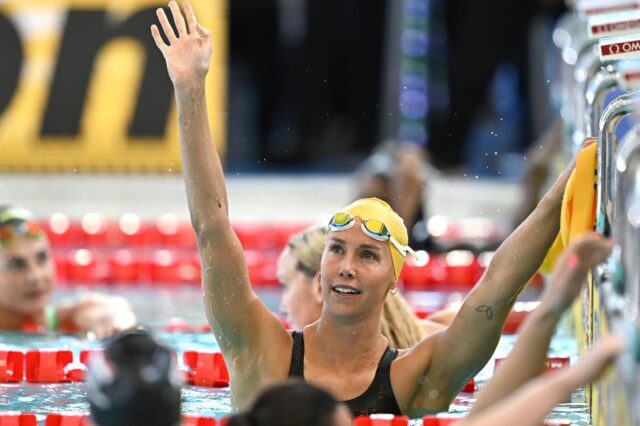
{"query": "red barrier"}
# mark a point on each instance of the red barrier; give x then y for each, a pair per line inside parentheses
(17, 419)
(381, 420)
(124, 267)
(175, 267)
(174, 232)
(262, 268)
(86, 267)
(470, 387)
(86, 354)
(66, 420)
(256, 236)
(11, 366)
(48, 366)
(517, 316)
(207, 369)
(439, 420)
(198, 421)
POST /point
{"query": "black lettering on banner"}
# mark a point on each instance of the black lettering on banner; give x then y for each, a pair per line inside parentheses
(86, 32)
(12, 56)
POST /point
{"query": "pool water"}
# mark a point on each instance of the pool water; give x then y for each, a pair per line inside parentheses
(154, 306)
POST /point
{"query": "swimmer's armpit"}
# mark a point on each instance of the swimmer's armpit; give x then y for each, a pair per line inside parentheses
(487, 310)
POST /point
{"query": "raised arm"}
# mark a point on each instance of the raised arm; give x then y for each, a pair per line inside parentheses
(449, 359)
(236, 315)
(528, 356)
(530, 404)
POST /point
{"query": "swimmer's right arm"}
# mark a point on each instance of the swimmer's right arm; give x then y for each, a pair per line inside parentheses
(236, 315)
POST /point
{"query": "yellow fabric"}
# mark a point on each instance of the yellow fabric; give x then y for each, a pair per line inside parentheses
(374, 208)
(578, 212)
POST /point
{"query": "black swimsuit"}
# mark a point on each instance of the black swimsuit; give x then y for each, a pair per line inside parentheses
(378, 398)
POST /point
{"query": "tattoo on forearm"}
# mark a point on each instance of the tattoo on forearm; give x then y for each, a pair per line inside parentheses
(486, 309)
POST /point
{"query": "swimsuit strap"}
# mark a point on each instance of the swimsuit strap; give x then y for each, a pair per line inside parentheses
(297, 355)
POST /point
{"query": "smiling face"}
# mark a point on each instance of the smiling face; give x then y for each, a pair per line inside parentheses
(357, 273)
(27, 275)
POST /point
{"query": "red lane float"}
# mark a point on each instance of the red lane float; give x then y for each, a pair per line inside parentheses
(470, 387)
(262, 267)
(175, 267)
(198, 421)
(518, 314)
(48, 366)
(66, 420)
(174, 232)
(381, 420)
(440, 420)
(11, 366)
(124, 267)
(256, 236)
(17, 419)
(206, 369)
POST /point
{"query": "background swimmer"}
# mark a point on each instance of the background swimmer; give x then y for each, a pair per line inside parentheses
(27, 282)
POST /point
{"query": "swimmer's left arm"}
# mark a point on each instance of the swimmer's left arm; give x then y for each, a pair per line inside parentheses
(459, 352)
(528, 356)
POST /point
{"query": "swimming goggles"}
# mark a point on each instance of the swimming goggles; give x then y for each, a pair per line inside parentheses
(374, 228)
(17, 221)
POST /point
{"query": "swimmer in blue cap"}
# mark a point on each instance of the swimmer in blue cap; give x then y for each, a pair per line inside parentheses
(344, 351)
(27, 282)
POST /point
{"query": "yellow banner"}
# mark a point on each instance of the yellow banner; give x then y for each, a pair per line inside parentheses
(84, 88)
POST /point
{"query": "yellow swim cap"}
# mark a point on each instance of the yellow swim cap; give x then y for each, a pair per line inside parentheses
(375, 208)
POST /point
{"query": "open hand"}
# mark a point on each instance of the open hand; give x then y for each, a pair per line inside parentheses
(592, 364)
(101, 315)
(571, 270)
(189, 52)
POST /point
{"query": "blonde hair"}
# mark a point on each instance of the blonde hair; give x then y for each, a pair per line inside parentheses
(398, 323)
(307, 247)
